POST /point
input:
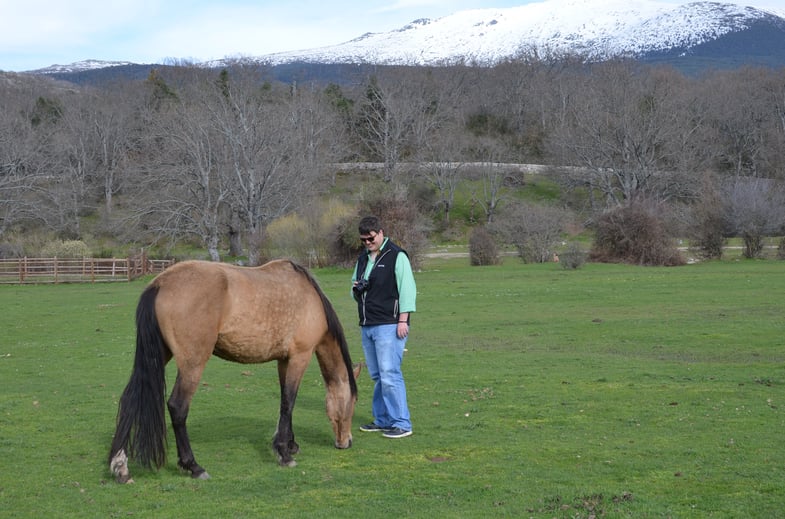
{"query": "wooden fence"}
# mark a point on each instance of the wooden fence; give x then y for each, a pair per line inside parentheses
(81, 270)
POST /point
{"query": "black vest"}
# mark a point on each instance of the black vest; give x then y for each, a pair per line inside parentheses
(379, 303)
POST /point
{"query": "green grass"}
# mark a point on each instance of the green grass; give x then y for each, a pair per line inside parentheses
(608, 391)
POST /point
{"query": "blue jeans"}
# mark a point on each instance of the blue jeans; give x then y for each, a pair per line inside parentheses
(383, 357)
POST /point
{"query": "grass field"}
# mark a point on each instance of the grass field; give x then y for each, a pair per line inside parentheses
(608, 391)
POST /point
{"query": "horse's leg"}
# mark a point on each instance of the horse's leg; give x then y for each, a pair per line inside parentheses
(290, 373)
(179, 403)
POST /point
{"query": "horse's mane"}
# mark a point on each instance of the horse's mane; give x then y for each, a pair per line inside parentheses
(333, 323)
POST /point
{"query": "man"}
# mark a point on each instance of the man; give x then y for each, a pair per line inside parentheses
(383, 286)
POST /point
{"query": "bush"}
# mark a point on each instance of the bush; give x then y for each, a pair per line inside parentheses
(709, 224)
(482, 248)
(634, 234)
(65, 249)
(573, 257)
(757, 209)
(404, 221)
(533, 229)
(10, 250)
(306, 236)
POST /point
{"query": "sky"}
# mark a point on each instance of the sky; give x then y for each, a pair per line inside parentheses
(39, 33)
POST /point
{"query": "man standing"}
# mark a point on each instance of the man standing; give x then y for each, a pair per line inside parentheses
(383, 286)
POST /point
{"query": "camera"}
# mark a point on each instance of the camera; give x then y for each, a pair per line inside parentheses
(361, 286)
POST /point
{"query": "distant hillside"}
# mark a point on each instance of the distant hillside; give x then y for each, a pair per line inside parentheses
(763, 44)
(692, 37)
(323, 73)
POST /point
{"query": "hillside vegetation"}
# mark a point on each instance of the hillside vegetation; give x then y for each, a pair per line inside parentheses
(231, 164)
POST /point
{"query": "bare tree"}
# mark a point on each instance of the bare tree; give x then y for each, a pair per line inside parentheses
(624, 130)
(709, 226)
(115, 129)
(401, 110)
(444, 176)
(35, 183)
(182, 192)
(233, 153)
(534, 230)
(439, 139)
(492, 175)
(743, 108)
(273, 142)
(756, 208)
(17, 175)
(442, 166)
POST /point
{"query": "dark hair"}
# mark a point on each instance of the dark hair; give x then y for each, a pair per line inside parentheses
(369, 224)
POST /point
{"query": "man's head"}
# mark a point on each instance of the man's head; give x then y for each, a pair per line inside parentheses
(371, 233)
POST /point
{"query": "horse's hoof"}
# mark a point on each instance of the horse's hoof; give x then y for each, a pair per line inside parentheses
(119, 467)
(283, 463)
(199, 473)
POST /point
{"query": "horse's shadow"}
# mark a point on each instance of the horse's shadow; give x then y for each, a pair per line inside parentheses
(211, 431)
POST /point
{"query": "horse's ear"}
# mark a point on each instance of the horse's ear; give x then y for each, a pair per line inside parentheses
(357, 369)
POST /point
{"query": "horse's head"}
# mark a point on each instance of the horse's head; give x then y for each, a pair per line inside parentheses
(341, 399)
(340, 410)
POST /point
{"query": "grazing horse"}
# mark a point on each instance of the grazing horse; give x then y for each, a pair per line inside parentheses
(196, 309)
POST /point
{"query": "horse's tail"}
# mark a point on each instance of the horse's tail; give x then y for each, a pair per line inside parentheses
(333, 325)
(141, 422)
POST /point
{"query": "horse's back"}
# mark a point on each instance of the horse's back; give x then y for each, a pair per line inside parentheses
(244, 314)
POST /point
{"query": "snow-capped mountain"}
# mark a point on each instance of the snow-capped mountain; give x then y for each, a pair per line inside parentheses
(81, 66)
(594, 29)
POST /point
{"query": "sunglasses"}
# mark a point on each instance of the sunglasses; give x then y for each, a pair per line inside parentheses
(368, 239)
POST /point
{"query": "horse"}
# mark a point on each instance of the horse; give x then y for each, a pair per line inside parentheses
(196, 309)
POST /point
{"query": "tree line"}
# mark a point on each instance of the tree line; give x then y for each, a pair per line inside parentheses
(215, 157)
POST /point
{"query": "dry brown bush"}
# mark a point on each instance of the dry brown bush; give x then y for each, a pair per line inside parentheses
(635, 234)
(482, 248)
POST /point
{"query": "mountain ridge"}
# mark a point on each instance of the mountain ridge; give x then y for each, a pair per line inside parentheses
(594, 30)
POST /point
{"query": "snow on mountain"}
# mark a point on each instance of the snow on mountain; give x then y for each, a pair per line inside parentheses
(596, 29)
(79, 66)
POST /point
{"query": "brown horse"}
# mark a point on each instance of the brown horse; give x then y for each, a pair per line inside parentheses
(196, 309)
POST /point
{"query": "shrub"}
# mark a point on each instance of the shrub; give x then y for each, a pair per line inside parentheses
(306, 236)
(482, 248)
(634, 234)
(10, 250)
(533, 229)
(65, 249)
(403, 220)
(756, 206)
(709, 225)
(573, 257)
